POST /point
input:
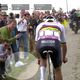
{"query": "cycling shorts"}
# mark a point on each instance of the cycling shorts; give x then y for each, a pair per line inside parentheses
(53, 45)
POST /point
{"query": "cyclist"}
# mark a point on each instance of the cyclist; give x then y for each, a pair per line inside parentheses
(52, 30)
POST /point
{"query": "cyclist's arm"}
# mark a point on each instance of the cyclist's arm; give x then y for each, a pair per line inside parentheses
(63, 44)
(37, 31)
(64, 51)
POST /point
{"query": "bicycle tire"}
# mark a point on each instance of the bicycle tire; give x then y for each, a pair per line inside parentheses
(51, 75)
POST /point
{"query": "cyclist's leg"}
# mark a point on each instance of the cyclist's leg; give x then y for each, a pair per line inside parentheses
(58, 73)
(42, 58)
(43, 64)
(57, 61)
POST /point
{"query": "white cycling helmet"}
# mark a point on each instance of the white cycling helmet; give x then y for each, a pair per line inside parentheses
(49, 19)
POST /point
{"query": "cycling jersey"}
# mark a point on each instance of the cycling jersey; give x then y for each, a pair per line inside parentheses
(50, 29)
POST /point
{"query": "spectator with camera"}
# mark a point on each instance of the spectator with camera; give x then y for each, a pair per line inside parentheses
(22, 30)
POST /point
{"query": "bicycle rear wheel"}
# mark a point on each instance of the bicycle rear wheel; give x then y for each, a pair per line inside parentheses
(51, 71)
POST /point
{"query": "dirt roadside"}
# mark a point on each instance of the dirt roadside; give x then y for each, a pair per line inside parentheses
(70, 70)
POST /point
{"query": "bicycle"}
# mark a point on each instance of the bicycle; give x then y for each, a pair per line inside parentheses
(51, 75)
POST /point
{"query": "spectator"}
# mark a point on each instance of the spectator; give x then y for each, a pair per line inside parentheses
(3, 19)
(5, 35)
(22, 29)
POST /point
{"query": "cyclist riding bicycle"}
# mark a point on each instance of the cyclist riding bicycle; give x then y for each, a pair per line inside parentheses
(50, 35)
